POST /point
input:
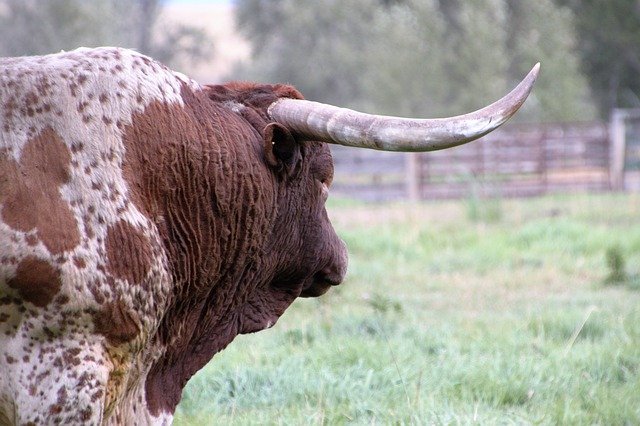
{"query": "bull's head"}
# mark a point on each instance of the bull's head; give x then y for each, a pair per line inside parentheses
(291, 129)
(295, 120)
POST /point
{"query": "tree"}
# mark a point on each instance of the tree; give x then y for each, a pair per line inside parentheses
(31, 27)
(417, 57)
(318, 46)
(540, 31)
(609, 47)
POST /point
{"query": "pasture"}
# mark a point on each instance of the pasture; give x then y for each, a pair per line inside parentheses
(487, 311)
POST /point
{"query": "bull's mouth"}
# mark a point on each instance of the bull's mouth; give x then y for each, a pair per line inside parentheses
(320, 283)
(315, 290)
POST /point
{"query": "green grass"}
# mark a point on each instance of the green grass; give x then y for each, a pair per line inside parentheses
(450, 316)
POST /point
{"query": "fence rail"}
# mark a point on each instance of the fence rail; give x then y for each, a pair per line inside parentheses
(519, 160)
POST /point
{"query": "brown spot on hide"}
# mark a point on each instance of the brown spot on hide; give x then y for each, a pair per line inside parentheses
(31, 99)
(97, 294)
(62, 396)
(97, 395)
(128, 252)
(30, 192)
(79, 262)
(116, 323)
(31, 239)
(85, 414)
(36, 281)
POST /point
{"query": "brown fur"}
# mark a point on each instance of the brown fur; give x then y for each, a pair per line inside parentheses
(35, 181)
(128, 253)
(229, 222)
(116, 323)
(36, 281)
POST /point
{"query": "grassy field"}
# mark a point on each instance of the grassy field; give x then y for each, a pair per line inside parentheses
(495, 312)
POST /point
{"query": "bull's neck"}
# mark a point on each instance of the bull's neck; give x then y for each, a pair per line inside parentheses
(212, 200)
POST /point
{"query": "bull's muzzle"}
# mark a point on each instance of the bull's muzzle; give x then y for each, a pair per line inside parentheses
(330, 275)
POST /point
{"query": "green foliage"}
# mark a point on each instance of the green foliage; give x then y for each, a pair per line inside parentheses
(540, 31)
(33, 27)
(299, 42)
(609, 36)
(418, 58)
(616, 261)
(382, 304)
(497, 323)
(616, 264)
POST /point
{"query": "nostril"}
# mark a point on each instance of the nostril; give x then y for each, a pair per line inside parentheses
(329, 275)
(332, 274)
(331, 279)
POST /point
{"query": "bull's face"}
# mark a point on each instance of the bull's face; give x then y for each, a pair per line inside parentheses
(331, 252)
(288, 150)
(302, 252)
(317, 259)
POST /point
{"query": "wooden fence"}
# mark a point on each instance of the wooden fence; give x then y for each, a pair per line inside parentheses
(519, 160)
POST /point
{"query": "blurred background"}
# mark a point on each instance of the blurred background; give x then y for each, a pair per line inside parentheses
(495, 282)
(418, 58)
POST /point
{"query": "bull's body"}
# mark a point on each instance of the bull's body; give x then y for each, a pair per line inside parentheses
(145, 221)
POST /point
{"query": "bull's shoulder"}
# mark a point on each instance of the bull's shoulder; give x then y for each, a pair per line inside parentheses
(65, 205)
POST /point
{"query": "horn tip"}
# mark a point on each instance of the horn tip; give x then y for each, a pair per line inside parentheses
(535, 71)
(527, 84)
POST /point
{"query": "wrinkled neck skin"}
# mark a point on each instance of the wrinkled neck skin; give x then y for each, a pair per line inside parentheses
(221, 214)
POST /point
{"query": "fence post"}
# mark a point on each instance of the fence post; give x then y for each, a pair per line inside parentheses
(544, 165)
(414, 176)
(616, 149)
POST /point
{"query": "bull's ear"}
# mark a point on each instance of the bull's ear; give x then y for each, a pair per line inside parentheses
(281, 150)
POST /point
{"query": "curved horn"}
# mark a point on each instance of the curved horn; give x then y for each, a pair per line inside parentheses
(315, 121)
